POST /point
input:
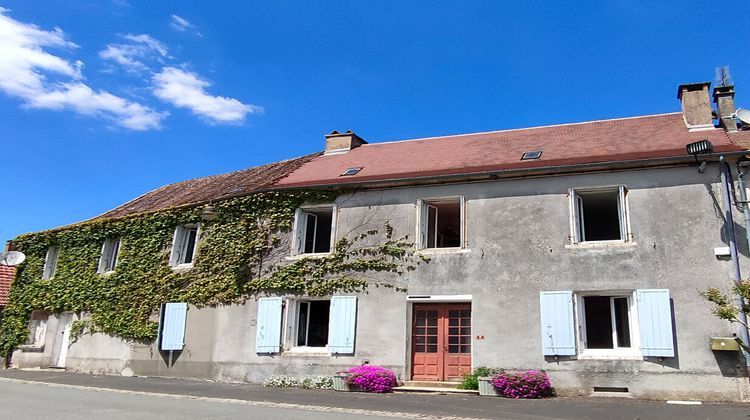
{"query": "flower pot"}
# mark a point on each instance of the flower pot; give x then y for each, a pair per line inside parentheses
(339, 382)
(486, 388)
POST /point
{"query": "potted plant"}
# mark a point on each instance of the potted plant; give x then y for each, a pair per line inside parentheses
(366, 378)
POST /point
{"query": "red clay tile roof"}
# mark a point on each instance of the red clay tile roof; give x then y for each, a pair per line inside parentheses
(210, 188)
(654, 136)
(7, 274)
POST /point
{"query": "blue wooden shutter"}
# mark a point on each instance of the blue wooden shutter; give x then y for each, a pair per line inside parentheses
(268, 326)
(558, 331)
(655, 322)
(173, 326)
(342, 324)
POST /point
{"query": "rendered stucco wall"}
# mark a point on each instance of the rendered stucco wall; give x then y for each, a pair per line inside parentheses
(517, 245)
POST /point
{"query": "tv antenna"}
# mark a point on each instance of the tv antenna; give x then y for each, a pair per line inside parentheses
(11, 258)
(723, 77)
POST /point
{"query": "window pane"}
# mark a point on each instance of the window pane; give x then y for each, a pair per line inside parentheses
(432, 339)
(453, 322)
(310, 228)
(601, 215)
(453, 349)
(304, 308)
(432, 216)
(323, 230)
(598, 322)
(419, 339)
(622, 323)
(432, 349)
(190, 237)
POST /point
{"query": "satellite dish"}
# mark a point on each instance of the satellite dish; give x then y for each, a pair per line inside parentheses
(743, 115)
(12, 258)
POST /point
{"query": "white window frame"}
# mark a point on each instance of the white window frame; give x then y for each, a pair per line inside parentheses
(576, 213)
(425, 203)
(633, 351)
(298, 242)
(177, 256)
(292, 315)
(50, 263)
(37, 338)
(107, 248)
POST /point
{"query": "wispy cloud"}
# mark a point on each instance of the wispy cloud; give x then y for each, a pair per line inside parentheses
(132, 54)
(46, 81)
(181, 24)
(185, 89)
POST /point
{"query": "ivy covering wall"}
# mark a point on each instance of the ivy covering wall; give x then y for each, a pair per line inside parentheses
(241, 254)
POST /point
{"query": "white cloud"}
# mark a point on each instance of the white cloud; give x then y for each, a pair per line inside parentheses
(26, 69)
(180, 24)
(187, 90)
(132, 55)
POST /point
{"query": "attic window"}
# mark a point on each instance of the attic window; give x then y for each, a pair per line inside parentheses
(351, 171)
(532, 155)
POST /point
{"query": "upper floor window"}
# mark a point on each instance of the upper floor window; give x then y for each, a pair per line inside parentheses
(50, 263)
(110, 252)
(314, 230)
(599, 214)
(184, 245)
(441, 223)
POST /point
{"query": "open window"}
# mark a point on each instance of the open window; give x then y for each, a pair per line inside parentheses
(609, 324)
(50, 263)
(109, 255)
(311, 324)
(606, 322)
(314, 230)
(38, 328)
(317, 325)
(441, 223)
(184, 245)
(599, 215)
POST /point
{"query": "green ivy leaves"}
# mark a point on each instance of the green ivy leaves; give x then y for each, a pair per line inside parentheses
(235, 262)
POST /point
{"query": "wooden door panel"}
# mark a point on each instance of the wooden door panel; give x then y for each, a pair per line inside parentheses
(441, 341)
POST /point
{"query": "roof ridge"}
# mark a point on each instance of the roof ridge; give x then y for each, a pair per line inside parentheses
(523, 128)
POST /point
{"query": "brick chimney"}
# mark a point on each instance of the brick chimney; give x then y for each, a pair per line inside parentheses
(724, 100)
(696, 106)
(337, 143)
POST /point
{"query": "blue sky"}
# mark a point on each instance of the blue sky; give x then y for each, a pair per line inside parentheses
(103, 101)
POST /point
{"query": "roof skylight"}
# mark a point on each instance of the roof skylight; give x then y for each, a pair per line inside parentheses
(351, 171)
(532, 155)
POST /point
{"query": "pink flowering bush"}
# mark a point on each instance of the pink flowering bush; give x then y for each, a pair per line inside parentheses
(371, 378)
(529, 384)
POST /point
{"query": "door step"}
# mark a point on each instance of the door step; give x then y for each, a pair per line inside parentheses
(434, 387)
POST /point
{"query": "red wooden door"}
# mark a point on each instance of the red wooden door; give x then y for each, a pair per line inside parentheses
(441, 341)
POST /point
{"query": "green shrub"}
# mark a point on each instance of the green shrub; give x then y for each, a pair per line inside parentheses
(471, 381)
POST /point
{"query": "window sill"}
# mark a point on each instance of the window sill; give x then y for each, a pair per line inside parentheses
(307, 352)
(601, 245)
(107, 273)
(435, 251)
(311, 255)
(31, 348)
(610, 356)
(179, 268)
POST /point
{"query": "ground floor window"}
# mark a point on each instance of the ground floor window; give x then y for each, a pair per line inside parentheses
(38, 328)
(312, 323)
(606, 322)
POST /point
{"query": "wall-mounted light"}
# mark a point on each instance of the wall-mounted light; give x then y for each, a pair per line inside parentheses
(701, 147)
(209, 213)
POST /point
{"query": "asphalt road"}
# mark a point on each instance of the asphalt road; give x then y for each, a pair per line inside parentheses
(59, 395)
(39, 401)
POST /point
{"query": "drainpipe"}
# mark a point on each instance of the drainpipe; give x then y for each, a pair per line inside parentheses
(729, 220)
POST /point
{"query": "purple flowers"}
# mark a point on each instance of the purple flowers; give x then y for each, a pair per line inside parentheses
(529, 384)
(371, 378)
